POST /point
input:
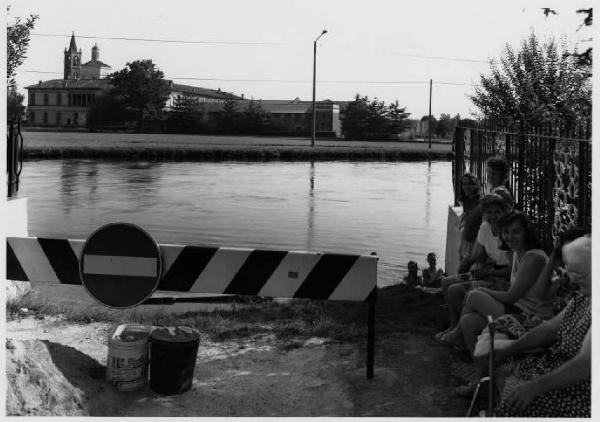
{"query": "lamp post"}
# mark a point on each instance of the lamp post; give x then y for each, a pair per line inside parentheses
(314, 103)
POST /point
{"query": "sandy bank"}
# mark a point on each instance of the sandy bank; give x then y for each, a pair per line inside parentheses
(249, 373)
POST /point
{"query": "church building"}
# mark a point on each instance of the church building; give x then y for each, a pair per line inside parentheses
(65, 102)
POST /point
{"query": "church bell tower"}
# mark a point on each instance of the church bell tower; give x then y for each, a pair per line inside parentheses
(72, 61)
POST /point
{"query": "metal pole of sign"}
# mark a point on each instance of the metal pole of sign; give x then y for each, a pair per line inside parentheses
(371, 300)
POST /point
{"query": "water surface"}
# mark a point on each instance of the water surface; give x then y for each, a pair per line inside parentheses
(397, 209)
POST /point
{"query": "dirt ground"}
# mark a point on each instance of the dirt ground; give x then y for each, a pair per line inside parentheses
(56, 367)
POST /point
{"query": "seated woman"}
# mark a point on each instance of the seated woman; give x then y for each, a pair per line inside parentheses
(528, 294)
(555, 383)
(495, 271)
(470, 219)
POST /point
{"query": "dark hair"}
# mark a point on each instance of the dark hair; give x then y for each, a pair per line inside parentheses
(498, 164)
(531, 239)
(412, 264)
(462, 197)
(490, 199)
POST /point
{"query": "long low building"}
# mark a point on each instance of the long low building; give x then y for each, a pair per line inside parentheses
(66, 102)
(293, 117)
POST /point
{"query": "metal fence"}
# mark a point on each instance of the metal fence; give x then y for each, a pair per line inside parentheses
(14, 156)
(551, 170)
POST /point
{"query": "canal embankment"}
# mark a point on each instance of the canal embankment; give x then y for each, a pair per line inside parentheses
(142, 146)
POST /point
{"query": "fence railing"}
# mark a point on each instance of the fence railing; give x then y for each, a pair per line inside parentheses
(551, 171)
(14, 156)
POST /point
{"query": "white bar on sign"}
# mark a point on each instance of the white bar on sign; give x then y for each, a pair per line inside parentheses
(120, 265)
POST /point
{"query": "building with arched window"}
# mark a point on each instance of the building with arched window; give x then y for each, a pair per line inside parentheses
(66, 101)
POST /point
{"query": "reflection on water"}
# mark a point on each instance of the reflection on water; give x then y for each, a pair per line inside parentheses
(398, 210)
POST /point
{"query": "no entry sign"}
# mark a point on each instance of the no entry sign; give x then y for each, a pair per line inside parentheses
(120, 265)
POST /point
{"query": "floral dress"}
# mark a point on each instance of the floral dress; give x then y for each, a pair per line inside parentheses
(573, 401)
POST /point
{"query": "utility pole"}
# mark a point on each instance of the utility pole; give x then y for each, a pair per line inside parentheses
(314, 102)
(429, 122)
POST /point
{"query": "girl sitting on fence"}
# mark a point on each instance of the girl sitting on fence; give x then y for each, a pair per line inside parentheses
(470, 219)
(497, 173)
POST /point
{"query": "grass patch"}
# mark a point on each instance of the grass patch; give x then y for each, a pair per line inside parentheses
(399, 308)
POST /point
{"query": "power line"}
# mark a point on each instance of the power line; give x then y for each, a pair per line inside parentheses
(170, 41)
(296, 80)
(419, 56)
(162, 40)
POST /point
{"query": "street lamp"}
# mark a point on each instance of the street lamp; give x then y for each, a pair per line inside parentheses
(314, 107)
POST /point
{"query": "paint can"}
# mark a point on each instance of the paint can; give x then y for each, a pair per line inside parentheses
(127, 361)
(173, 353)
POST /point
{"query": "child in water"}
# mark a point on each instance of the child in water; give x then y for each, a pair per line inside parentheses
(432, 276)
(412, 279)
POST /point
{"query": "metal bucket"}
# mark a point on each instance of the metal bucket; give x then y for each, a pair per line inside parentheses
(173, 354)
(127, 361)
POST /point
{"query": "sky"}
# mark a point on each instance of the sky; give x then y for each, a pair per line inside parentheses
(264, 48)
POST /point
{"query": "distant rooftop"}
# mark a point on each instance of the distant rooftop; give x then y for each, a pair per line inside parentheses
(79, 83)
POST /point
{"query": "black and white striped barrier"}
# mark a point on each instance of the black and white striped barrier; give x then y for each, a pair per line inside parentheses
(197, 269)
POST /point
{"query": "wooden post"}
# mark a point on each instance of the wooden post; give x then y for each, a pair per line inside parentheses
(372, 300)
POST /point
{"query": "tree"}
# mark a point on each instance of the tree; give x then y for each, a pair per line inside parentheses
(397, 118)
(109, 110)
(142, 88)
(363, 119)
(584, 59)
(17, 42)
(445, 125)
(229, 119)
(14, 105)
(185, 115)
(355, 118)
(253, 119)
(534, 84)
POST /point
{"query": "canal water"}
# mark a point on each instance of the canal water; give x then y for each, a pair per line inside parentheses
(396, 209)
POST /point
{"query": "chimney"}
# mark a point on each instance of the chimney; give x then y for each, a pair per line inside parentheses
(40, 83)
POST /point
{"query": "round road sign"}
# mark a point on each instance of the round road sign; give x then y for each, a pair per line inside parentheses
(120, 265)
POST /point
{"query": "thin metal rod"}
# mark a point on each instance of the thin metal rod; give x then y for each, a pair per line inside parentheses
(314, 102)
(372, 300)
(492, 330)
(429, 125)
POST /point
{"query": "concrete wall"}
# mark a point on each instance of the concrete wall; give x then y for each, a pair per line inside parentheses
(452, 240)
(14, 224)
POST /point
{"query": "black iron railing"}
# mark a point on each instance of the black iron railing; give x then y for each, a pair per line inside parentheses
(14, 158)
(551, 170)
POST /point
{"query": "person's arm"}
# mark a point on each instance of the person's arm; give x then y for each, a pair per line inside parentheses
(529, 270)
(478, 254)
(543, 335)
(571, 372)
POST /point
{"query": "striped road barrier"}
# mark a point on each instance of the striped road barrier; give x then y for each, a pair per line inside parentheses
(199, 269)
